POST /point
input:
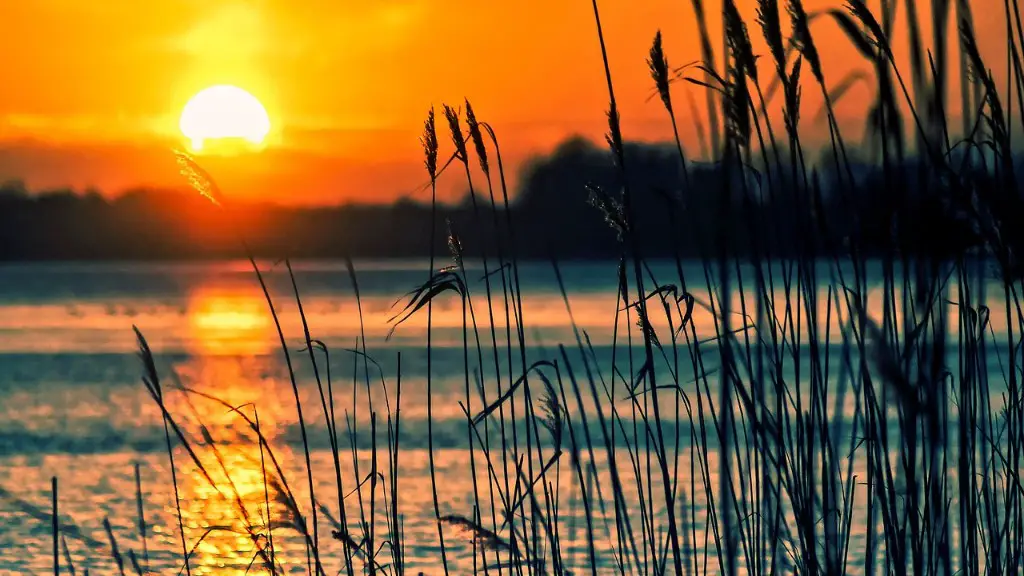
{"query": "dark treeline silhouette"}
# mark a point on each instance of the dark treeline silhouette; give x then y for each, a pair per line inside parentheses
(565, 206)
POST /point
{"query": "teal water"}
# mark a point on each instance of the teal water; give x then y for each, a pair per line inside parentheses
(73, 405)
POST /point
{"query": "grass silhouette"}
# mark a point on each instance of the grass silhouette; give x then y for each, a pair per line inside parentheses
(740, 451)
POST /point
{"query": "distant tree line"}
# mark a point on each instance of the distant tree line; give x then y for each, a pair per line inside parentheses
(565, 205)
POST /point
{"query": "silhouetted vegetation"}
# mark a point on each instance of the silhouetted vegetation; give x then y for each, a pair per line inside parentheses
(830, 422)
(553, 209)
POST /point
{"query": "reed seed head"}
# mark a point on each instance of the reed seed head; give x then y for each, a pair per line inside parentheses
(456, 129)
(614, 136)
(792, 93)
(198, 178)
(454, 243)
(863, 14)
(739, 41)
(658, 64)
(611, 208)
(480, 534)
(645, 326)
(477, 137)
(429, 142)
(551, 413)
(771, 29)
(737, 108)
(802, 38)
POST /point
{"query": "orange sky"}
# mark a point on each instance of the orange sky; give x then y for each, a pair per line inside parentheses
(92, 90)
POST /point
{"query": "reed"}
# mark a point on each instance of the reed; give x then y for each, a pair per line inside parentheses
(855, 409)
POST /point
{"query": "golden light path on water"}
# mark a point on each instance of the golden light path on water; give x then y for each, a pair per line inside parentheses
(226, 509)
(229, 321)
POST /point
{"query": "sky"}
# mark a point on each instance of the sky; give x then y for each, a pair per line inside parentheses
(92, 91)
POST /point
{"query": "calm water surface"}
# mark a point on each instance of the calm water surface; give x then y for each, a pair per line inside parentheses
(73, 405)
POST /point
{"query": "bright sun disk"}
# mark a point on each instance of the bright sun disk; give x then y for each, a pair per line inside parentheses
(224, 112)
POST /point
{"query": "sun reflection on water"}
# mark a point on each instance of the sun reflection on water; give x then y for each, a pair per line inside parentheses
(225, 497)
(227, 320)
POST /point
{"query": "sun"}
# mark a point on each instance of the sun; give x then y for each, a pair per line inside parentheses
(224, 113)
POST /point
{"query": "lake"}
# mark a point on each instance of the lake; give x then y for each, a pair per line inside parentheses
(73, 404)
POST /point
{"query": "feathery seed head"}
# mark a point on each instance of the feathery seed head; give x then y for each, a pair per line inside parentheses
(802, 38)
(477, 137)
(198, 178)
(552, 416)
(483, 537)
(645, 326)
(454, 243)
(862, 13)
(771, 28)
(739, 41)
(737, 108)
(658, 64)
(792, 93)
(614, 136)
(429, 142)
(611, 208)
(456, 129)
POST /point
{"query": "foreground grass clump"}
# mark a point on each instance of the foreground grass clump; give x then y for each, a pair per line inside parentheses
(853, 409)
